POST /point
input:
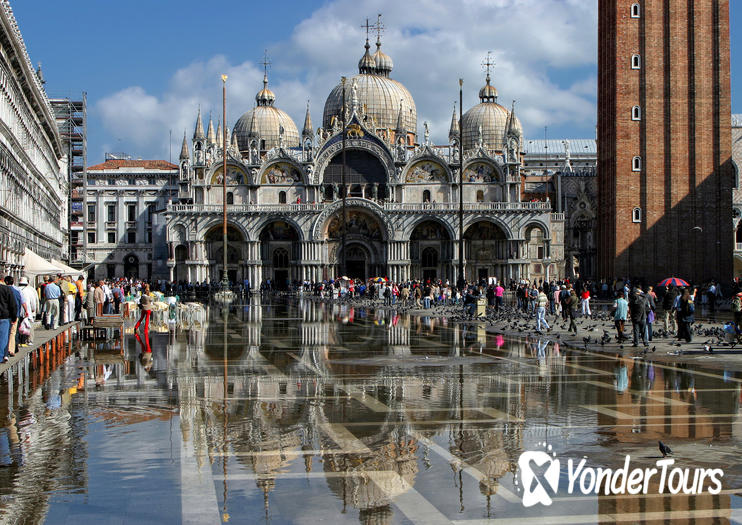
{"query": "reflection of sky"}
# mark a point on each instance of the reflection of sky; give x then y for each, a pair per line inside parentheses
(133, 468)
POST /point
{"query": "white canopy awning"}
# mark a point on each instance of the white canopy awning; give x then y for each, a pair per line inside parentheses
(34, 264)
(66, 270)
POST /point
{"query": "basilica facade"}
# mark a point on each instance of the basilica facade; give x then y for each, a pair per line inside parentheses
(286, 217)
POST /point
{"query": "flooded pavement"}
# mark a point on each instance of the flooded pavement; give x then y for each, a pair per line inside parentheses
(302, 412)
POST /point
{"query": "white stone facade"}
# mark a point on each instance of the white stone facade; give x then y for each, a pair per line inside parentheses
(285, 214)
(33, 165)
(125, 229)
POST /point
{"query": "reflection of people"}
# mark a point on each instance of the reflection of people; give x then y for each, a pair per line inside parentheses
(621, 374)
(145, 358)
(145, 304)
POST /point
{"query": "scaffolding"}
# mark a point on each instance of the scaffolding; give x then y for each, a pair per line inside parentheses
(71, 116)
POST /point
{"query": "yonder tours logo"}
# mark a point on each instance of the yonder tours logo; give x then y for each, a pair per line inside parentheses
(540, 470)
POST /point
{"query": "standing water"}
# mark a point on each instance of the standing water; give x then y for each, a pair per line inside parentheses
(295, 411)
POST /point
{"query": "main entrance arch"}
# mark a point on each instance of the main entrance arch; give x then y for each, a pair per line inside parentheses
(214, 240)
(486, 251)
(363, 253)
(280, 253)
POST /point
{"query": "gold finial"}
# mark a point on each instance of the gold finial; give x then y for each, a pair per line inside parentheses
(224, 78)
(487, 64)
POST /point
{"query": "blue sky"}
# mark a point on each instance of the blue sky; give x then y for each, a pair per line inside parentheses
(147, 65)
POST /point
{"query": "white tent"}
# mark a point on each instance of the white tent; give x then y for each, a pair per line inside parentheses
(34, 264)
(66, 270)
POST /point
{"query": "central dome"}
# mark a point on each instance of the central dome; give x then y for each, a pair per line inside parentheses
(378, 95)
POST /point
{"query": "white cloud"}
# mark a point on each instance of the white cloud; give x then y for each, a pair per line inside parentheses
(432, 45)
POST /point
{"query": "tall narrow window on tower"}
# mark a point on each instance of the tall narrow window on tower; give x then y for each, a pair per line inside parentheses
(636, 10)
(636, 215)
(636, 164)
(636, 61)
(636, 113)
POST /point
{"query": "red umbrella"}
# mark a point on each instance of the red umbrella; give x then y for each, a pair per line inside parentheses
(674, 281)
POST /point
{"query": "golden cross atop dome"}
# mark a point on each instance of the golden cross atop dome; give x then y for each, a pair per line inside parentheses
(266, 62)
(487, 63)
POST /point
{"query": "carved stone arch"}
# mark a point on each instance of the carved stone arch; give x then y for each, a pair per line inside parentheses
(534, 222)
(259, 226)
(318, 227)
(450, 229)
(333, 147)
(471, 220)
(209, 225)
(483, 170)
(284, 165)
(178, 233)
(235, 171)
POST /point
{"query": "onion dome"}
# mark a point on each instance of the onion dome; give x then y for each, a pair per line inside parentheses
(378, 96)
(367, 64)
(489, 116)
(265, 96)
(267, 123)
(384, 63)
(488, 93)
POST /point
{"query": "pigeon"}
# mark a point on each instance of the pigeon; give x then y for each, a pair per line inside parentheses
(664, 449)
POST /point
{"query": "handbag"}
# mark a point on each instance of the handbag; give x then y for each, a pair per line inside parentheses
(650, 317)
(25, 327)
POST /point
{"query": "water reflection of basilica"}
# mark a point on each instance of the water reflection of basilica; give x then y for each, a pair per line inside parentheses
(373, 410)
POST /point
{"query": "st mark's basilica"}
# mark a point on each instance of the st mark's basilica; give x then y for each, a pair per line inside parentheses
(284, 202)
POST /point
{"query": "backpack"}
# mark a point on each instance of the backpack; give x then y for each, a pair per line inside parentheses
(737, 305)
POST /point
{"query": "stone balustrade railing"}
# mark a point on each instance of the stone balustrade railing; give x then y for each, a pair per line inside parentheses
(387, 206)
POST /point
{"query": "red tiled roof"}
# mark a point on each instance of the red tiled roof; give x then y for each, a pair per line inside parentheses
(114, 164)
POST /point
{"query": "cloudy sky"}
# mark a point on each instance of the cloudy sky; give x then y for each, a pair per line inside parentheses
(147, 66)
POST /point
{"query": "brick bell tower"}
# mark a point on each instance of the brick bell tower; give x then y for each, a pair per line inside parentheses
(664, 140)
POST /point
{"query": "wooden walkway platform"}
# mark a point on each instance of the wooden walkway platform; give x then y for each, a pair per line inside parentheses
(47, 345)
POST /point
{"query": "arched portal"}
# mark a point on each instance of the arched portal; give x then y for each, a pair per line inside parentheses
(430, 251)
(214, 240)
(131, 266)
(486, 251)
(363, 253)
(364, 173)
(280, 253)
(181, 271)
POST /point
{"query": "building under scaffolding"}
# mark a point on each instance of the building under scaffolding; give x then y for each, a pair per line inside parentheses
(71, 116)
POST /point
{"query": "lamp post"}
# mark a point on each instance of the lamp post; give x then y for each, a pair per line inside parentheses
(225, 276)
(461, 279)
(343, 269)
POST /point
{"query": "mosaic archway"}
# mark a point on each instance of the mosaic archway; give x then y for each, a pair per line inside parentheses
(356, 246)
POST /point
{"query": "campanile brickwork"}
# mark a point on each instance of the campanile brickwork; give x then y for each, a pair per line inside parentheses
(670, 213)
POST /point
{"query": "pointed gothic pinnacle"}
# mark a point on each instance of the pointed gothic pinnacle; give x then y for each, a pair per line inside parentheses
(307, 131)
(219, 134)
(210, 135)
(453, 131)
(184, 148)
(199, 132)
